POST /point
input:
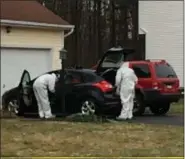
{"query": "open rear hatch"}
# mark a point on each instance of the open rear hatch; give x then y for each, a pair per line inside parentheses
(113, 58)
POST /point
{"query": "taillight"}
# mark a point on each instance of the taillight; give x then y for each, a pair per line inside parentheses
(104, 86)
(157, 85)
(178, 83)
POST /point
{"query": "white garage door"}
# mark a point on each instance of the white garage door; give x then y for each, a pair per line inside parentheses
(14, 61)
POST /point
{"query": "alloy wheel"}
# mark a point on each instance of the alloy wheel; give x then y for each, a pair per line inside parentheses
(88, 108)
(13, 106)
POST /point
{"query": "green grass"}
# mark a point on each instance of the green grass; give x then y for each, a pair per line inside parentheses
(177, 108)
(21, 137)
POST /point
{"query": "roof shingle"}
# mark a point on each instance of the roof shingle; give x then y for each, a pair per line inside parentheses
(30, 11)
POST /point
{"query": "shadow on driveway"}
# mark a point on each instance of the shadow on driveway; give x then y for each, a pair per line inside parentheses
(177, 119)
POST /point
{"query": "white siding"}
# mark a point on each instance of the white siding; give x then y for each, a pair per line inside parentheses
(163, 21)
(35, 38)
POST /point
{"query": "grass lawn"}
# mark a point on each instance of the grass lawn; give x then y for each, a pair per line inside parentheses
(177, 108)
(20, 137)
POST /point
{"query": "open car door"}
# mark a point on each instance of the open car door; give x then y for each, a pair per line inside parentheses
(25, 88)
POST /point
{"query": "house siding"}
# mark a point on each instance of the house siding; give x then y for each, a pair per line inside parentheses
(163, 21)
(35, 38)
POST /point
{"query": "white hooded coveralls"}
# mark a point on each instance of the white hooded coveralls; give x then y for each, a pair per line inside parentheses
(40, 87)
(125, 82)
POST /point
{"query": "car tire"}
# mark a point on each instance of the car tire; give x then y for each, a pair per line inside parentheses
(139, 106)
(13, 106)
(88, 106)
(160, 110)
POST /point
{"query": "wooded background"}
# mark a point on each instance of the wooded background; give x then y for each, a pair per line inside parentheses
(99, 25)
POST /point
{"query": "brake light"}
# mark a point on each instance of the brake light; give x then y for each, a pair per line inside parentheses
(156, 85)
(104, 86)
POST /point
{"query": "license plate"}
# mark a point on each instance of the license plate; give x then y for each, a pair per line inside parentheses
(169, 86)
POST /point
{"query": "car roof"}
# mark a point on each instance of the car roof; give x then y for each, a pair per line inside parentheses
(79, 70)
(87, 71)
(152, 61)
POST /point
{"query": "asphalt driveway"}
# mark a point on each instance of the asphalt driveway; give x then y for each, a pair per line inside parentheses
(177, 120)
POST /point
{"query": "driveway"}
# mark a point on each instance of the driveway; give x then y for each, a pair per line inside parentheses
(177, 120)
(170, 119)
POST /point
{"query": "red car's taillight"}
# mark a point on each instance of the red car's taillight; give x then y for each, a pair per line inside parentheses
(104, 86)
(156, 85)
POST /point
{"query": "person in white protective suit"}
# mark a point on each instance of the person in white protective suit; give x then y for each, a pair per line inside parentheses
(40, 87)
(125, 82)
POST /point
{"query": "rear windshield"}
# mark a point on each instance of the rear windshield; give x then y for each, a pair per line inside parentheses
(91, 77)
(113, 59)
(164, 71)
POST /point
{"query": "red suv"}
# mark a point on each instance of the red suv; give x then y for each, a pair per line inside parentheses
(158, 84)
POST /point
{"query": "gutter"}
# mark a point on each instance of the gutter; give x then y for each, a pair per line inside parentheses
(5, 22)
(69, 33)
(144, 30)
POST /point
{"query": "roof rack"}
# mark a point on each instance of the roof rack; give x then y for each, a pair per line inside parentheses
(155, 60)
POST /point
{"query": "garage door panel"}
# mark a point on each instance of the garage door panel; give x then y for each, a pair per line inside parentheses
(14, 61)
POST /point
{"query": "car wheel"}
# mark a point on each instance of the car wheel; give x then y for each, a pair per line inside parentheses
(139, 107)
(88, 107)
(160, 110)
(13, 106)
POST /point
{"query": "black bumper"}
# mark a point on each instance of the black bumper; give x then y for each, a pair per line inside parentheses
(111, 105)
(151, 95)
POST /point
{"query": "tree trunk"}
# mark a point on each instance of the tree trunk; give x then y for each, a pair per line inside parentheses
(113, 29)
(99, 28)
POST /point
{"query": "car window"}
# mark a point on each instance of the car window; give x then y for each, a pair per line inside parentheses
(91, 77)
(112, 59)
(73, 78)
(164, 70)
(141, 70)
(26, 79)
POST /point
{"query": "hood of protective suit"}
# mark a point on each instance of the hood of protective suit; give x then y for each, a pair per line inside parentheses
(125, 64)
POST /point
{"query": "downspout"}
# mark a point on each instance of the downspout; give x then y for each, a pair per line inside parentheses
(145, 32)
(69, 33)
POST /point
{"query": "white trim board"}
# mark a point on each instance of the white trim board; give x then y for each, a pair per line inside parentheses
(5, 22)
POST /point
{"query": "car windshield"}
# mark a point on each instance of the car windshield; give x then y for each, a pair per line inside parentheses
(164, 71)
(113, 59)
